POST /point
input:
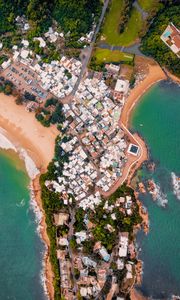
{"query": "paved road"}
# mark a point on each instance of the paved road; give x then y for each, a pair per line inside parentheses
(89, 49)
(130, 50)
(143, 13)
(134, 49)
(70, 235)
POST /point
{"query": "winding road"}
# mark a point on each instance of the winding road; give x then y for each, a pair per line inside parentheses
(89, 49)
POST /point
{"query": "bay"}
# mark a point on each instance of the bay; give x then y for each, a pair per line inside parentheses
(157, 119)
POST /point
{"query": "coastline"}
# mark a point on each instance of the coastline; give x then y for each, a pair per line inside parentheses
(154, 75)
(172, 77)
(39, 144)
(20, 132)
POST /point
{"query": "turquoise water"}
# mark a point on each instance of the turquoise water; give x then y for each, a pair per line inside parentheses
(157, 119)
(20, 246)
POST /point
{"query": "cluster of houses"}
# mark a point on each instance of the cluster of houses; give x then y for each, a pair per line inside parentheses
(97, 147)
(57, 77)
(97, 153)
(88, 284)
(90, 271)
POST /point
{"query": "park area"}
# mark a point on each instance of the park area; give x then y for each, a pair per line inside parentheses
(110, 34)
(109, 56)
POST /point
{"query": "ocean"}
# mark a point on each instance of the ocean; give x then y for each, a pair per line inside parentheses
(157, 119)
(21, 249)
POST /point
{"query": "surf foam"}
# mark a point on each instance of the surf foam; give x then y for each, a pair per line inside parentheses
(5, 143)
(176, 185)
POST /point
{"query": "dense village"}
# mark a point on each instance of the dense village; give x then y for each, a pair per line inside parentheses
(94, 226)
(95, 151)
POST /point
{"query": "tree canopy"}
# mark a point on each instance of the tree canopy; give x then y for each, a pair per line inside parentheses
(72, 16)
(152, 44)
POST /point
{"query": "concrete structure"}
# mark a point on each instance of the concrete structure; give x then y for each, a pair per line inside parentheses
(171, 37)
(121, 89)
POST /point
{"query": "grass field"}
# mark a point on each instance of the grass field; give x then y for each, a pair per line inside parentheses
(107, 56)
(148, 4)
(110, 28)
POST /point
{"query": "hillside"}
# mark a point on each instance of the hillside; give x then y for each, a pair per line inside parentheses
(75, 17)
(153, 46)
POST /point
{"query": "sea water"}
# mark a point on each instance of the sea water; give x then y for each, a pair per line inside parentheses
(21, 249)
(157, 119)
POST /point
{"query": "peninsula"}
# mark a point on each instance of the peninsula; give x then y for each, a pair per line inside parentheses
(66, 98)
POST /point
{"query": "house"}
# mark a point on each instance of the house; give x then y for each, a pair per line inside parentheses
(113, 69)
(104, 254)
(81, 236)
(61, 218)
(123, 244)
(89, 262)
(121, 89)
(102, 251)
(171, 37)
(6, 64)
(63, 242)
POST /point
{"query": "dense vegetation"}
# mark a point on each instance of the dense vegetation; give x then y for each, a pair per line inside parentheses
(75, 17)
(127, 8)
(53, 116)
(51, 204)
(152, 44)
(6, 86)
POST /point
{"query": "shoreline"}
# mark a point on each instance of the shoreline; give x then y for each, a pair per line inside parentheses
(34, 144)
(155, 75)
(41, 148)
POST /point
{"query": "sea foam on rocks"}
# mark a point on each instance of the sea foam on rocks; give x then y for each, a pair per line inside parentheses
(176, 185)
(161, 197)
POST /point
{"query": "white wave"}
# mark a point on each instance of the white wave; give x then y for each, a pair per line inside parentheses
(161, 197)
(36, 209)
(32, 171)
(38, 218)
(21, 204)
(31, 168)
(5, 143)
(43, 278)
(176, 185)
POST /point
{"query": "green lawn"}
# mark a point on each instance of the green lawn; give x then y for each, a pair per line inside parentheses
(110, 29)
(148, 4)
(107, 56)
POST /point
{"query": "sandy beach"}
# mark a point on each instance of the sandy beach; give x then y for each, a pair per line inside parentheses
(155, 74)
(22, 130)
